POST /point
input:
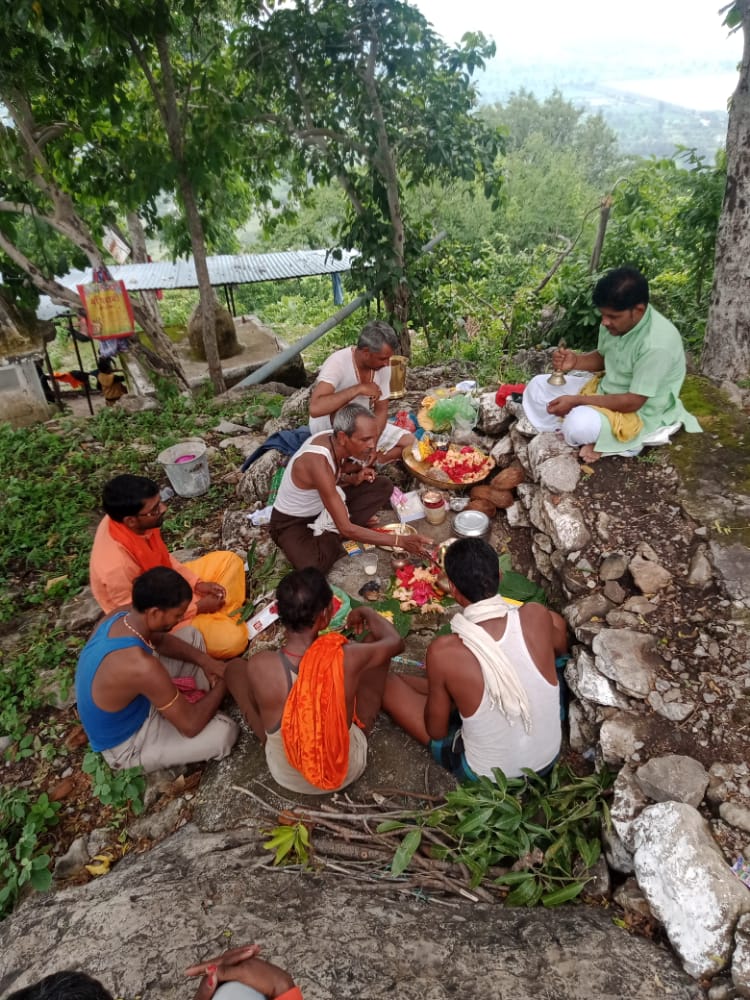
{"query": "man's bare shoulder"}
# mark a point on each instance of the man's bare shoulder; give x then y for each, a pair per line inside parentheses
(265, 660)
(449, 641)
(532, 612)
(313, 465)
(444, 649)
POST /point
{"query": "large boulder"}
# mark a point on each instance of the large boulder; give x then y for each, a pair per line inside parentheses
(226, 334)
(688, 884)
(255, 484)
(194, 895)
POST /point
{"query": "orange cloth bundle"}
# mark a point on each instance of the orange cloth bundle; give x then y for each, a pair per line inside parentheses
(147, 550)
(314, 726)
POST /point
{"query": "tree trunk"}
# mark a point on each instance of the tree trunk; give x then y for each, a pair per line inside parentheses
(604, 212)
(65, 220)
(397, 300)
(207, 297)
(146, 310)
(726, 347)
(167, 101)
(397, 296)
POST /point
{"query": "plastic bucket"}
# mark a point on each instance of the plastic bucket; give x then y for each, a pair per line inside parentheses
(186, 466)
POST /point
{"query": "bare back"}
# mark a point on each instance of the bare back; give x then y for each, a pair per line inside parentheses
(271, 683)
(454, 669)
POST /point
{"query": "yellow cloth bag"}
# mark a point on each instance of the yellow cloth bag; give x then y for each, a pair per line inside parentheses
(224, 632)
(625, 426)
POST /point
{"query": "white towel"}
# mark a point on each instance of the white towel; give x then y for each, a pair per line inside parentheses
(504, 690)
(324, 521)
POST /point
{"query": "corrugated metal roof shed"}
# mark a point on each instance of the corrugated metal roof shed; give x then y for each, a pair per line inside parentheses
(240, 269)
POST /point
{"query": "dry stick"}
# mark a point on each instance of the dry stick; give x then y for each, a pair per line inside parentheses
(311, 814)
(399, 884)
(388, 790)
(326, 845)
(406, 889)
(429, 863)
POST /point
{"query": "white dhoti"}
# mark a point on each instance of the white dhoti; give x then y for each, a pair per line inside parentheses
(581, 426)
(390, 437)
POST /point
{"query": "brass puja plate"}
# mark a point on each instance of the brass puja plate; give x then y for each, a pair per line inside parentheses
(428, 474)
(396, 528)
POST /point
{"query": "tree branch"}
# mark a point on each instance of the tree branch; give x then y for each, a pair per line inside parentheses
(57, 292)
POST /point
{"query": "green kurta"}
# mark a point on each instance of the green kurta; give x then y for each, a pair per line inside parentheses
(648, 360)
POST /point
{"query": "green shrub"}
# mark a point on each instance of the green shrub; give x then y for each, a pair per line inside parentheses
(548, 829)
(23, 860)
(121, 790)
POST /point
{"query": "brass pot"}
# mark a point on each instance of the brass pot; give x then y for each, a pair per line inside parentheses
(398, 376)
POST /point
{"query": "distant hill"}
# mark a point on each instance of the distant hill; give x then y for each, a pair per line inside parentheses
(645, 125)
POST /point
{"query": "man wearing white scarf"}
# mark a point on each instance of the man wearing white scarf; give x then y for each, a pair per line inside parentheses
(491, 697)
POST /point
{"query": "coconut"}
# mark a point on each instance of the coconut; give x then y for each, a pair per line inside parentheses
(485, 506)
(509, 478)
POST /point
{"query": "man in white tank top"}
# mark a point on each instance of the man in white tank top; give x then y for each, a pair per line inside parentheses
(330, 491)
(361, 375)
(496, 672)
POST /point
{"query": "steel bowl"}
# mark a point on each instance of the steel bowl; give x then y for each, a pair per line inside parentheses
(472, 524)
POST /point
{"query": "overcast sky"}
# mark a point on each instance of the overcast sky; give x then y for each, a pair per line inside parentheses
(543, 27)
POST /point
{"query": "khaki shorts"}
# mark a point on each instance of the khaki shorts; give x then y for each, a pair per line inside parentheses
(290, 778)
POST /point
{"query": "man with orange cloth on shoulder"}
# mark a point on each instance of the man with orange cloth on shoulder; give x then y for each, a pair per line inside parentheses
(128, 542)
(312, 701)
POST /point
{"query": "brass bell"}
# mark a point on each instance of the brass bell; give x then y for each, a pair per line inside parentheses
(557, 377)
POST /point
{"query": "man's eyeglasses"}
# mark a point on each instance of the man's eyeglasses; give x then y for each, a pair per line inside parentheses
(156, 509)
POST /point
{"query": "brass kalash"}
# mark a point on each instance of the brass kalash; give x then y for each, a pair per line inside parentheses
(398, 376)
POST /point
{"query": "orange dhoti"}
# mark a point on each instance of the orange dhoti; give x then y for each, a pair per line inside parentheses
(224, 633)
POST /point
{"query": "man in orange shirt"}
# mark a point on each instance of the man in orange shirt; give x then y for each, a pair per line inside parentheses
(128, 542)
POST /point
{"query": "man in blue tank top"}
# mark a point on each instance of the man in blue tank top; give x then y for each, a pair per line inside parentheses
(131, 676)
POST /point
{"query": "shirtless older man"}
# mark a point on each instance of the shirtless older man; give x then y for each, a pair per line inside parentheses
(497, 670)
(312, 701)
(330, 491)
(361, 375)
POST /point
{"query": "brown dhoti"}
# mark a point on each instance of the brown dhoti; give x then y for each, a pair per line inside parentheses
(302, 548)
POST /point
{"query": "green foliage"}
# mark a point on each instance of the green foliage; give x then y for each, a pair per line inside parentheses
(558, 162)
(479, 301)
(290, 844)
(122, 790)
(664, 221)
(547, 829)
(393, 110)
(48, 483)
(263, 577)
(556, 124)
(23, 860)
(52, 486)
(579, 322)
(24, 678)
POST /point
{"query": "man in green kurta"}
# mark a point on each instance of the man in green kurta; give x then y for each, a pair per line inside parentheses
(635, 401)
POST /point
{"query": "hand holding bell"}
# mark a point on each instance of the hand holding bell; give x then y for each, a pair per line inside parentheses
(557, 377)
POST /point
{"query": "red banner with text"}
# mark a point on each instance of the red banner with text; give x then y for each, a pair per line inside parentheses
(109, 312)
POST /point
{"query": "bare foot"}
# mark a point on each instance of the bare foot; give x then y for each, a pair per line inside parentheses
(588, 454)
